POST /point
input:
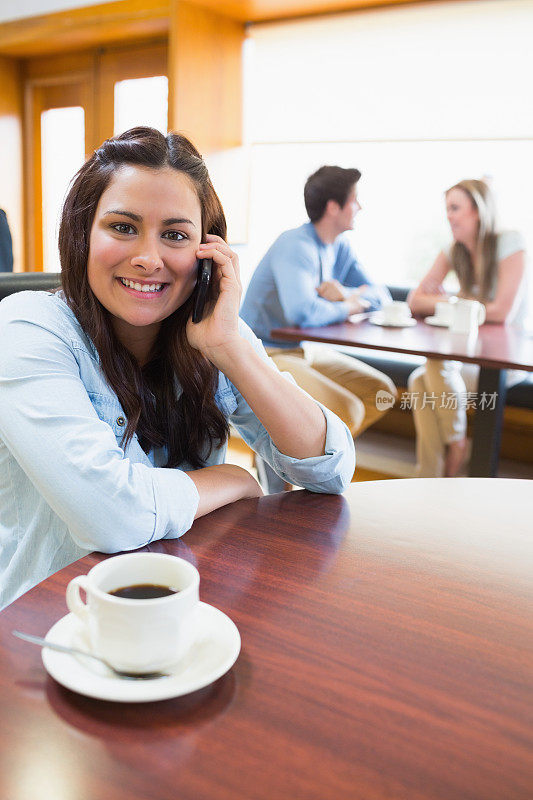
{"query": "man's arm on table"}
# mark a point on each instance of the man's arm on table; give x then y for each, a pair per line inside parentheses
(295, 273)
(350, 274)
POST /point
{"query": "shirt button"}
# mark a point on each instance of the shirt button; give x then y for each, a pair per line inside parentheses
(121, 421)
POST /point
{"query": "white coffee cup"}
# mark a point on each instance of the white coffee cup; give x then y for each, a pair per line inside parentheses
(137, 635)
(468, 315)
(396, 312)
(444, 311)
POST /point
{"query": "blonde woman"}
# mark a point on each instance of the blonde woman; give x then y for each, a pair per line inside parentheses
(491, 268)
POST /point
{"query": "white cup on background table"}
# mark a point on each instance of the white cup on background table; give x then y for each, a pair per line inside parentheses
(396, 312)
(444, 311)
(468, 315)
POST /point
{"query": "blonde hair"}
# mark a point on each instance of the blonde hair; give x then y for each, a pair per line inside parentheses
(483, 200)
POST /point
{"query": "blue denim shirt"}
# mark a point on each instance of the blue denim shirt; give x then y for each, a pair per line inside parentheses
(67, 487)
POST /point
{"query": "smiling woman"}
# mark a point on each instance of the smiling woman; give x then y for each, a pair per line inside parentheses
(142, 270)
(114, 404)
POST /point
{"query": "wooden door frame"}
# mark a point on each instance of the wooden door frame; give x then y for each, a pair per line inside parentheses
(35, 102)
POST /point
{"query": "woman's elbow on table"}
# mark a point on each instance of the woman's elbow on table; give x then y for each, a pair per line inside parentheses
(498, 313)
(335, 484)
(338, 474)
(340, 482)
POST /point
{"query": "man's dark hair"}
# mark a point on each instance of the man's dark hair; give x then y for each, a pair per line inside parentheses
(328, 183)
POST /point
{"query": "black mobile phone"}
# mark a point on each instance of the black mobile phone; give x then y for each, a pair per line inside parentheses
(205, 266)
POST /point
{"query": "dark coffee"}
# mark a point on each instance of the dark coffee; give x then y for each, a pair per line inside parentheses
(143, 591)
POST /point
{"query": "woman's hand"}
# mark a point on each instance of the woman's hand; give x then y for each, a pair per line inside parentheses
(218, 331)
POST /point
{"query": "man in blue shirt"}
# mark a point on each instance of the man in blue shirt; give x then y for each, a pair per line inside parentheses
(311, 277)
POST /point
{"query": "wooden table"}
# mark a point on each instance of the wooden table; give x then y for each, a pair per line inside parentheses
(496, 349)
(386, 643)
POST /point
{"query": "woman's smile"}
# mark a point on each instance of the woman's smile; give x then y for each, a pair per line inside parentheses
(145, 290)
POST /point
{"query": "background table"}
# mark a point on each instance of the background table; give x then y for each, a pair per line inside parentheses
(496, 349)
(385, 645)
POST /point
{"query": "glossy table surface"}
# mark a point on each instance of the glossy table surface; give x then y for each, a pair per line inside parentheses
(386, 653)
(497, 346)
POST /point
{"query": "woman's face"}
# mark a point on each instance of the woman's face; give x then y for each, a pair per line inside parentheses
(142, 251)
(462, 215)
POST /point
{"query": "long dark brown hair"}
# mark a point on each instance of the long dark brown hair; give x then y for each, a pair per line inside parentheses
(191, 425)
(481, 198)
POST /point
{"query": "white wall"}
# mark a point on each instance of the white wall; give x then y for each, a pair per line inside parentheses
(425, 72)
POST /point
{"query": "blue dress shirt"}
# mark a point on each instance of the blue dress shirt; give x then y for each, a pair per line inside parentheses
(282, 291)
(67, 487)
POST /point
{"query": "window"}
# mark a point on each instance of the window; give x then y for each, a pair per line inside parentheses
(141, 101)
(62, 154)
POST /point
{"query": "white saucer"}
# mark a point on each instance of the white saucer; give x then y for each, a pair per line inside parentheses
(408, 322)
(436, 322)
(213, 652)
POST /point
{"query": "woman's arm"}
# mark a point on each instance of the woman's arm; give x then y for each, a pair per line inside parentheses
(222, 484)
(510, 276)
(293, 420)
(430, 291)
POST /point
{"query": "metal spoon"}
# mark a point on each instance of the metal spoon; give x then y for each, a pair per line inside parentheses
(132, 676)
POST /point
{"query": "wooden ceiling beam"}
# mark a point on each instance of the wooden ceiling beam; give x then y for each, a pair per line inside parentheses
(123, 20)
(82, 28)
(279, 10)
